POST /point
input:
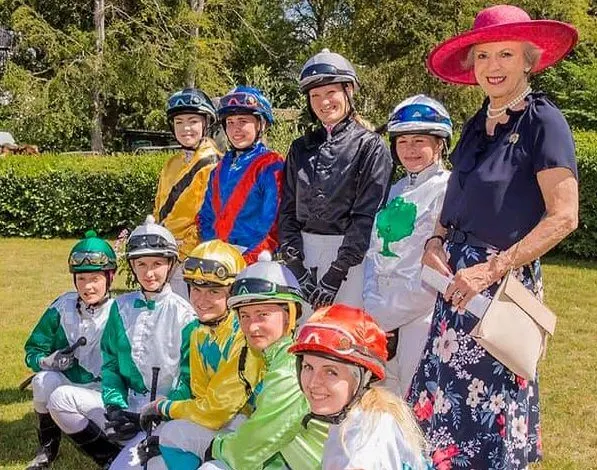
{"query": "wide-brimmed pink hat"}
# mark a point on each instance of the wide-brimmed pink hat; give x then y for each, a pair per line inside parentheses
(501, 23)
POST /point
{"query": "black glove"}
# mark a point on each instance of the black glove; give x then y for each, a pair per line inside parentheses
(329, 285)
(121, 425)
(147, 449)
(208, 453)
(150, 415)
(58, 361)
(392, 345)
(307, 278)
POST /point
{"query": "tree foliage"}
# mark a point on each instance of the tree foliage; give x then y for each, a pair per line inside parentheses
(154, 47)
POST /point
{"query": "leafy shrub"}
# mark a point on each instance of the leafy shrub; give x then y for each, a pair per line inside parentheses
(63, 195)
(583, 242)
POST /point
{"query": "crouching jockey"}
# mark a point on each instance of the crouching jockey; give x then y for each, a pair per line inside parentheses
(61, 374)
(341, 352)
(225, 371)
(266, 298)
(147, 330)
(184, 177)
(243, 195)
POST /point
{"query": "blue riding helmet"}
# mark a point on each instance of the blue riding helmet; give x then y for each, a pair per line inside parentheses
(191, 101)
(245, 100)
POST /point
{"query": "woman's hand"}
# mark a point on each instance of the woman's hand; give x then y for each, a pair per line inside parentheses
(436, 258)
(468, 282)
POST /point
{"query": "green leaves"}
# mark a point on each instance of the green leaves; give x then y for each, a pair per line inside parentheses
(58, 195)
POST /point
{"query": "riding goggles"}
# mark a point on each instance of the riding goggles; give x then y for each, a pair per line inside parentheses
(419, 113)
(89, 258)
(186, 99)
(257, 286)
(332, 337)
(241, 100)
(207, 267)
(336, 341)
(324, 69)
(147, 241)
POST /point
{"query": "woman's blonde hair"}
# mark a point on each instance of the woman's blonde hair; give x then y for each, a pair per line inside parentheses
(378, 401)
(531, 53)
(362, 121)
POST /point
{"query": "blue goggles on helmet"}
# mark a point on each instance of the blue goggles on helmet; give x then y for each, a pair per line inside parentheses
(420, 113)
(186, 100)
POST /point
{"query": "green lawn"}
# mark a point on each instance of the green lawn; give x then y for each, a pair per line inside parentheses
(33, 273)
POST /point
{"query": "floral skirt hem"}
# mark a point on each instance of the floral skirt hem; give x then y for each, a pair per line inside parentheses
(475, 413)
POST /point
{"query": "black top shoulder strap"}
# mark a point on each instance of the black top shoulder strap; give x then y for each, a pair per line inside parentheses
(183, 184)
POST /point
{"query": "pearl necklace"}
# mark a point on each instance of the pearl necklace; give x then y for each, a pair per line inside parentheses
(493, 113)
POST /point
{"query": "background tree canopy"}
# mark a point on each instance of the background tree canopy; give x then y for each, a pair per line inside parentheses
(153, 47)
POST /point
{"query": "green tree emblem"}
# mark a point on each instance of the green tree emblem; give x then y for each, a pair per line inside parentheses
(395, 222)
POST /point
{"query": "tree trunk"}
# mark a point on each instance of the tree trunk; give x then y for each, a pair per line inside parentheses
(97, 140)
(197, 6)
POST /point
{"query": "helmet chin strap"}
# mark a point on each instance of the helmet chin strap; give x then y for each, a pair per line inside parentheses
(109, 275)
(256, 140)
(365, 380)
(412, 176)
(351, 108)
(349, 100)
(172, 263)
(216, 321)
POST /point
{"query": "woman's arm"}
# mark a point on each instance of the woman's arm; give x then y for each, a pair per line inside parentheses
(559, 189)
(434, 254)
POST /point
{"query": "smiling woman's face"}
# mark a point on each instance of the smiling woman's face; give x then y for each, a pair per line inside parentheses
(329, 102)
(328, 385)
(500, 70)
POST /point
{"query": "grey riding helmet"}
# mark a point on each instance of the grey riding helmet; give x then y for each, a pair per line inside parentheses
(325, 68)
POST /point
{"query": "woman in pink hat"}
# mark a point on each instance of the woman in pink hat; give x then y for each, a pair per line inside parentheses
(511, 197)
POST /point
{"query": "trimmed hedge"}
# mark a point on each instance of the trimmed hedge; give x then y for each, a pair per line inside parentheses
(583, 242)
(64, 195)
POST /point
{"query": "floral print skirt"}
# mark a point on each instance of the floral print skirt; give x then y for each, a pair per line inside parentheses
(475, 413)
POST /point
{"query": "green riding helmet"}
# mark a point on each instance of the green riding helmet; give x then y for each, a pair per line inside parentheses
(91, 254)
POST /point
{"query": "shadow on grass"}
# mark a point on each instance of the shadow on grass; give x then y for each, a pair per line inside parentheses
(17, 438)
(8, 396)
(18, 441)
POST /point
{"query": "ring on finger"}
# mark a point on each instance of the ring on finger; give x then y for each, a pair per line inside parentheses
(457, 294)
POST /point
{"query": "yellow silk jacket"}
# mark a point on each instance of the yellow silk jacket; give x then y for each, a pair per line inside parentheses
(221, 385)
(180, 194)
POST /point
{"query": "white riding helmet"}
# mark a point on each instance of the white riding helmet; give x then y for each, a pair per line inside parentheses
(268, 282)
(151, 239)
(420, 114)
(265, 281)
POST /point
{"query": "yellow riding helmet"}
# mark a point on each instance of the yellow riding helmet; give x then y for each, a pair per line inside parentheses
(213, 263)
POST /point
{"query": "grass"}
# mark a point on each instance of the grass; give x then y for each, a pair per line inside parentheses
(33, 273)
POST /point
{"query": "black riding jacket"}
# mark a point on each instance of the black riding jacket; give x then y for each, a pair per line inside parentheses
(334, 184)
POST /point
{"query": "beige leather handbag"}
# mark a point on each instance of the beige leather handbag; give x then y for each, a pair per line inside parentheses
(514, 327)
